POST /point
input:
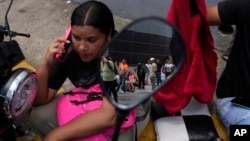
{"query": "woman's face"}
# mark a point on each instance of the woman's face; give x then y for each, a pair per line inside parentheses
(89, 42)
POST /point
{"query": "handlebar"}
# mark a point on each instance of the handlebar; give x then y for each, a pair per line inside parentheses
(4, 31)
(14, 34)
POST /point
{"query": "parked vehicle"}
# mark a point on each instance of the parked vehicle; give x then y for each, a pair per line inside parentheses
(17, 87)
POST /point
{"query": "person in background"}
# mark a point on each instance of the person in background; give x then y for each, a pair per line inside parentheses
(123, 72)
(148, 66)
(168, 67)
(140, 71)
(235, 79)
(152, 74)
(92, 28)
(131, 81)
(158, 72)
(109, 75)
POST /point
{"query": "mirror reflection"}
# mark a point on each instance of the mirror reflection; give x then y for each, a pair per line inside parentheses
(142, 57)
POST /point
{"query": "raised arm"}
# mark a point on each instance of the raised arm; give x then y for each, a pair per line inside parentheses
(213, 15)
(44, 94)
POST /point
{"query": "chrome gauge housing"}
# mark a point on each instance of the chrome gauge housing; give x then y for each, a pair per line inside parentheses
(19, 93)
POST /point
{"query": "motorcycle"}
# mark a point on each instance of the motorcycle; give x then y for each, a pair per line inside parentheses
(17, 87)
(142, 39)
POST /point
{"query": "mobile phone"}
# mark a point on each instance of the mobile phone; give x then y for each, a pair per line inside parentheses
(66, 45)
(241, 102)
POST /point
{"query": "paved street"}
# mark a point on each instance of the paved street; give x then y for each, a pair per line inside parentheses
(131, 97)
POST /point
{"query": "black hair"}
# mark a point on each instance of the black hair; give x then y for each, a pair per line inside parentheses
(95, 14)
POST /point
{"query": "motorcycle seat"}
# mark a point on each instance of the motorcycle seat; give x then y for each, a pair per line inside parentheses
(193, 124)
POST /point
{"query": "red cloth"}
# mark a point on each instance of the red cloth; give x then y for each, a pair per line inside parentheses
(197, 77)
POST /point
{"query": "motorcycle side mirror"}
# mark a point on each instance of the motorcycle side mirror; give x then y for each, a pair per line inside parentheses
(145, 38)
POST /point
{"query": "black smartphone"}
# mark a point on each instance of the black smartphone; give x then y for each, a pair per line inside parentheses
(241, 102)
(66, 45)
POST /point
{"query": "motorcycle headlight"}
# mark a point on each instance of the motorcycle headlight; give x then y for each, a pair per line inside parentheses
(19, 92)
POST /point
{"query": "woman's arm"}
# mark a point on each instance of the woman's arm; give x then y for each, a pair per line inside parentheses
(213, 15)
(90, 123)
(44, 94)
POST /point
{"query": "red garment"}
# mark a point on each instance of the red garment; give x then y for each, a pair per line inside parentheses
(197, 76)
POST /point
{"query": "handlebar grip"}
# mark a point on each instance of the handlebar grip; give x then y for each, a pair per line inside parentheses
(21, 34)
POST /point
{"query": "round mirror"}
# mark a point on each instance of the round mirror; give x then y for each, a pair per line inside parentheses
(147, 39)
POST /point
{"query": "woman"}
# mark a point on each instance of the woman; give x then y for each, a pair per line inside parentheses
(92, 27)
(168, 67)
(130, 82)
(109, 75)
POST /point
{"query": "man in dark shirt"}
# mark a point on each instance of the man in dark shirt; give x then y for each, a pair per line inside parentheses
(235, 79)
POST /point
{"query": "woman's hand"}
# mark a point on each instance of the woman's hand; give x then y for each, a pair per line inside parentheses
(55, 47)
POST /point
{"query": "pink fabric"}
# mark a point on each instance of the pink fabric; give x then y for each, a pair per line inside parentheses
(197, 77)
(67, 111)
(131, 78)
